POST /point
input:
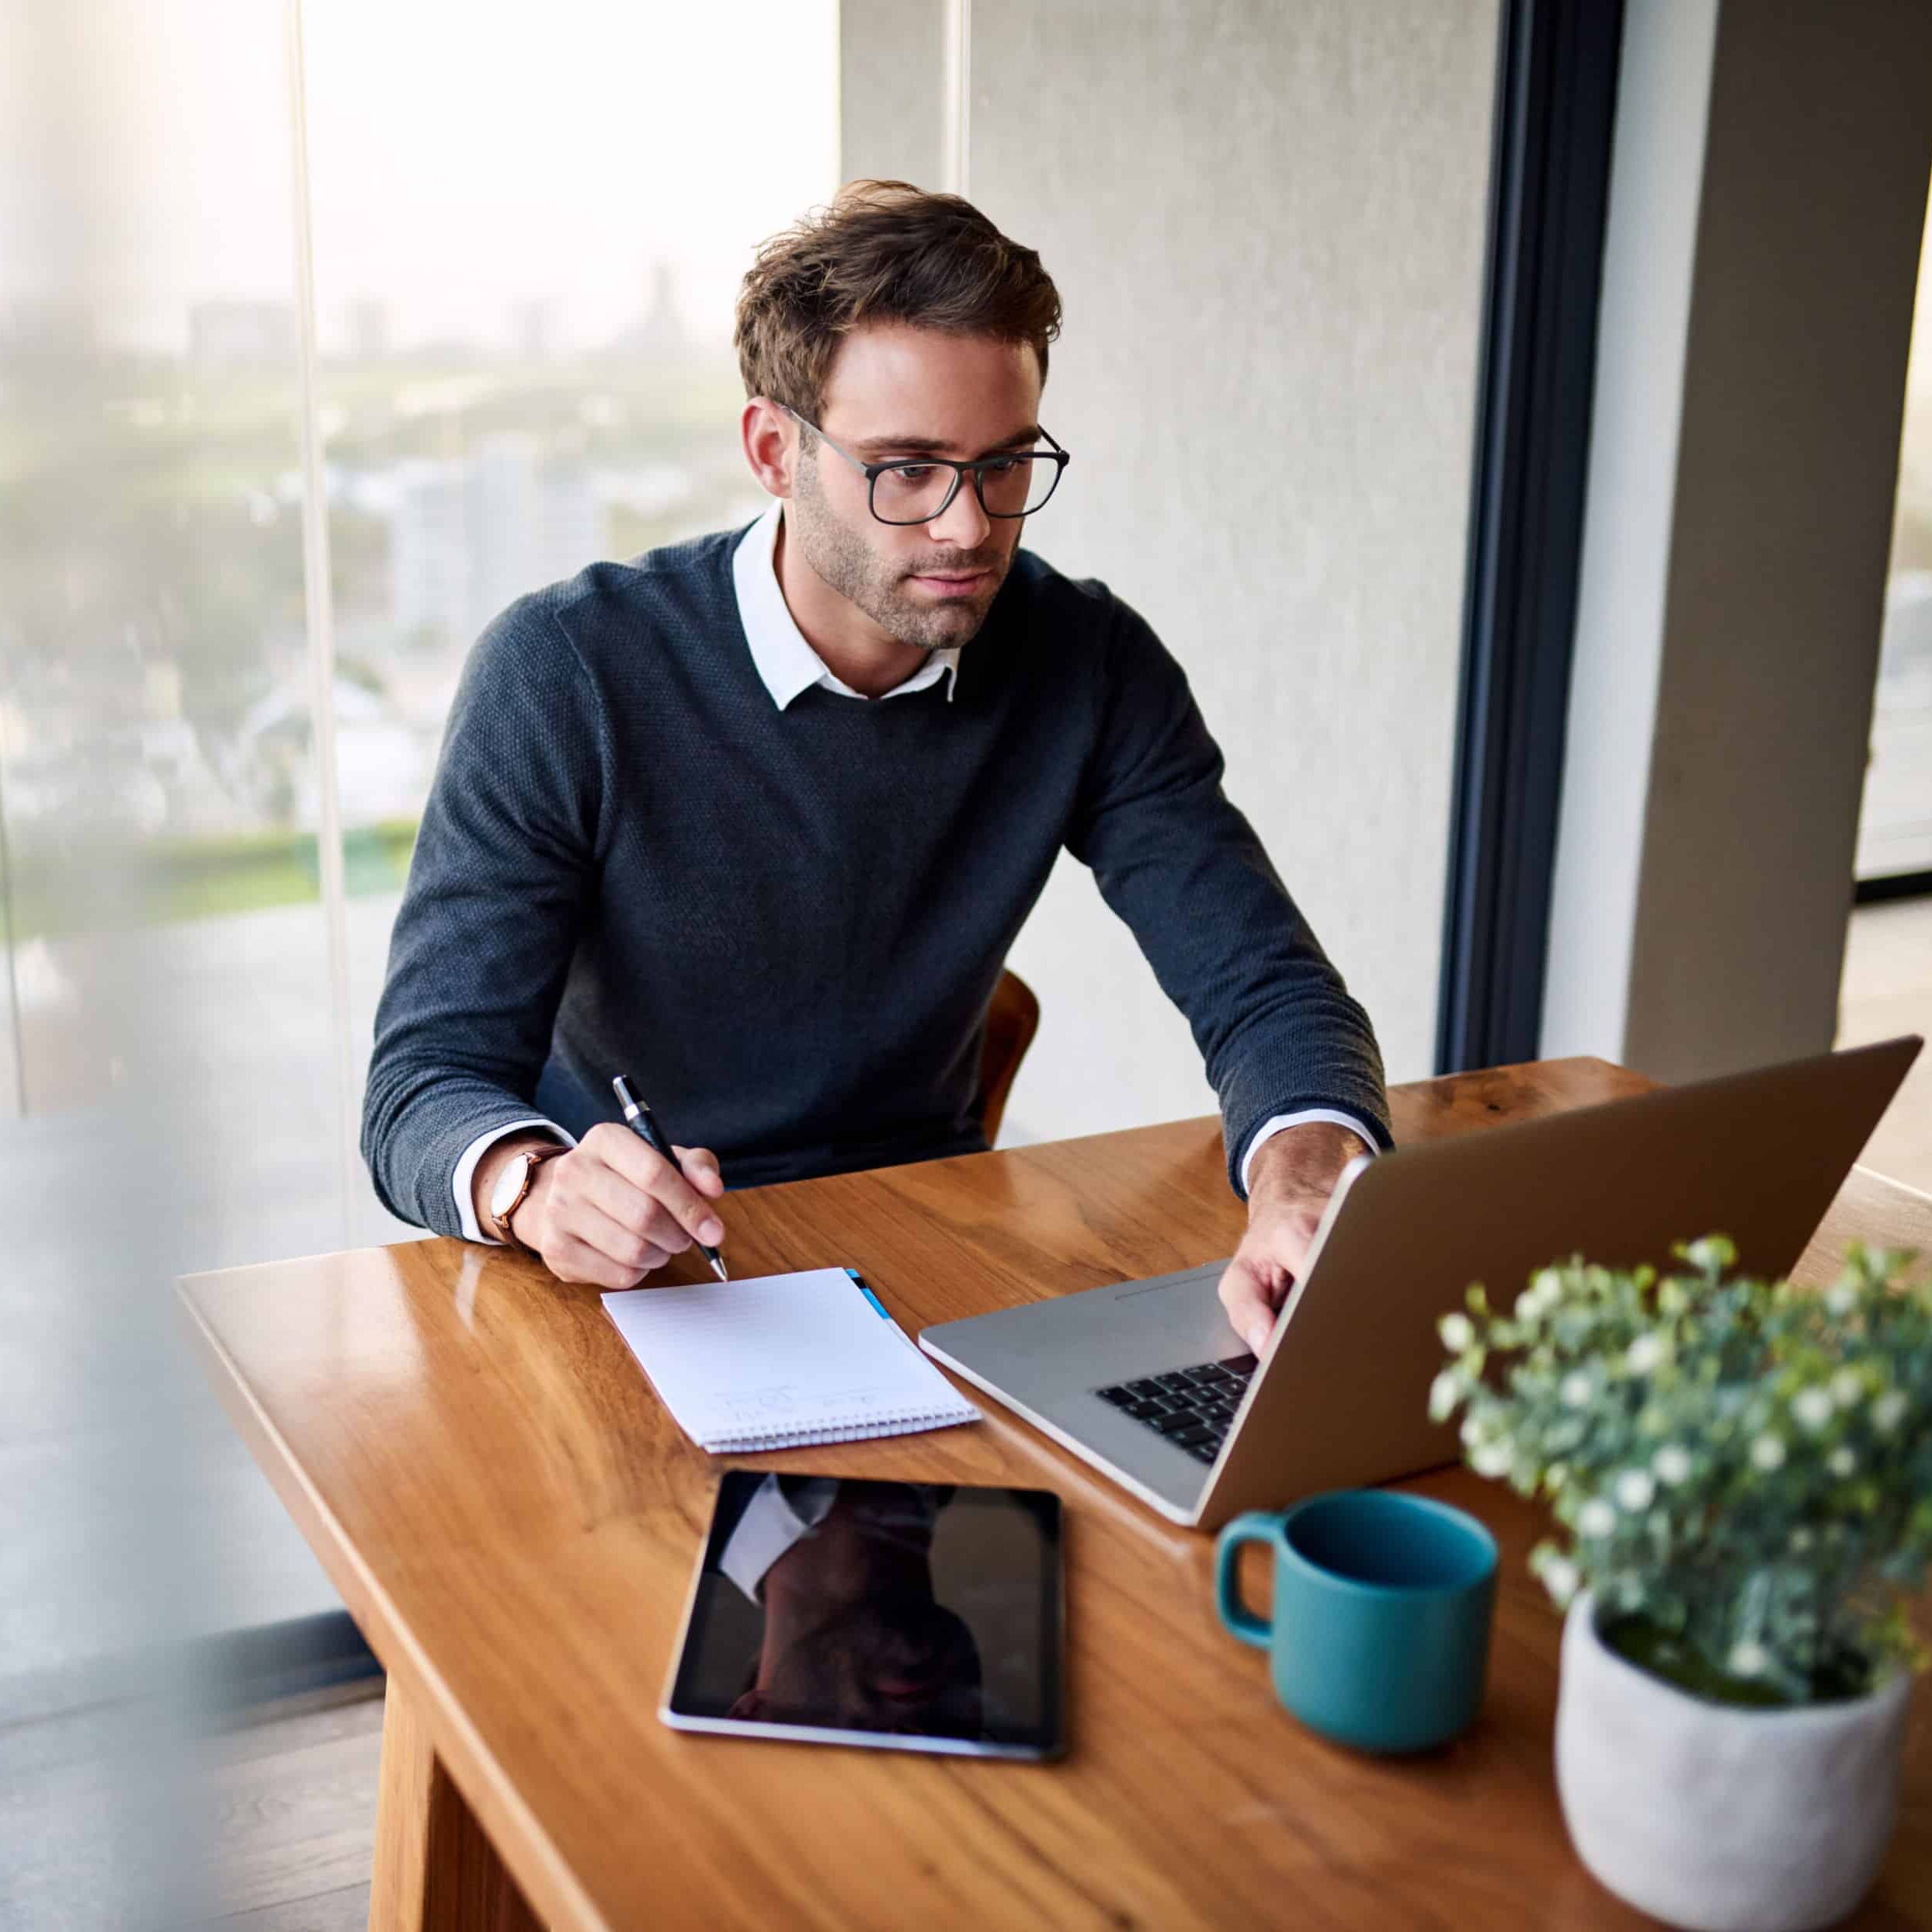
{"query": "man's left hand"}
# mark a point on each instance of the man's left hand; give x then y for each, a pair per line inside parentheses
(1293, 1176)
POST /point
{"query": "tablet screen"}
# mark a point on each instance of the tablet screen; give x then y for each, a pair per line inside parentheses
(916, 1616)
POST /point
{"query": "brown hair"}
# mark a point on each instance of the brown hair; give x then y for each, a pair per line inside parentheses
(882, 251)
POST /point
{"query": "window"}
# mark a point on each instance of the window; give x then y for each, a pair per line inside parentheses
(525, 247)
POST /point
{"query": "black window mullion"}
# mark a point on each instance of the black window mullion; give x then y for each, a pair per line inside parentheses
(1555, 101)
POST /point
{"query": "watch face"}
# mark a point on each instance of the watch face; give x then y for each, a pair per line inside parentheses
(509, 1184)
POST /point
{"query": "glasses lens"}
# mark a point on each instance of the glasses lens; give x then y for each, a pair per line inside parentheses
(911, 492)
(1017, 485)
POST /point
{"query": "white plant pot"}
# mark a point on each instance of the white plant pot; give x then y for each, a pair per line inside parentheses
(1717, 1817)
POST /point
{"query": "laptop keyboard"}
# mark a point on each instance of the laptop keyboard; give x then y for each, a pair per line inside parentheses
(1191, 1407)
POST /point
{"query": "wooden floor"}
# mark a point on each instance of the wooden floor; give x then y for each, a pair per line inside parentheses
(296, 1817)
(266, 1826)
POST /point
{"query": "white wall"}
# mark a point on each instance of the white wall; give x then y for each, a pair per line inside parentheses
(1767, 198)
(1664, 94)
(895, 89)
(1266, 222)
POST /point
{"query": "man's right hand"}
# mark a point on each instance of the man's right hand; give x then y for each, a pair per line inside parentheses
(613, 1208)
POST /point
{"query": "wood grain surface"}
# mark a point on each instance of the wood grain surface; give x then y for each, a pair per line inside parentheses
(480, 1466)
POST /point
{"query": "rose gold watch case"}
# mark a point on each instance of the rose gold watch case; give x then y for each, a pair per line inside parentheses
(531, 1159)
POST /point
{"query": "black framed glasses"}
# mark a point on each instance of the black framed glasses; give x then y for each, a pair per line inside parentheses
(921, 489)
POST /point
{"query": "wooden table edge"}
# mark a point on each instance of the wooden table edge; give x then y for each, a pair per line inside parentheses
(538, 1870)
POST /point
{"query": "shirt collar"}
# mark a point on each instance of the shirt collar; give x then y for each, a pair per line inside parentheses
(785, 663)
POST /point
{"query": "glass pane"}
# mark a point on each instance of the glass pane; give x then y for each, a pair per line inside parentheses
(1887, 988)
(157, 690)
(1895, 825)
(171, 1098)
(527, 248)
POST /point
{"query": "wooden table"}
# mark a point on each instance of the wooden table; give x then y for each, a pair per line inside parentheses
(481, 1467)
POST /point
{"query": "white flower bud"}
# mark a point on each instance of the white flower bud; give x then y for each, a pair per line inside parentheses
(1635, 1489)
(1444, 1392)
(1561, 1578)
(1575, 1389)
(1841, 1297)
(1847, 1387)
(1457, 1331)
(1672, 1464)
(1492, 1459)
(1888, 1411)
(1596, 1518)
(1748, 1659)
(1841, 1462)
(1813, 1407)
(1544, 1291)
(1645, 1354)
(1768, 1452)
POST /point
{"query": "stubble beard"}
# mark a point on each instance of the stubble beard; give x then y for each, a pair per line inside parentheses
(845, 561)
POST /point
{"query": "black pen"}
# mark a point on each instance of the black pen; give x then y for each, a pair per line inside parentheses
(642, 1123)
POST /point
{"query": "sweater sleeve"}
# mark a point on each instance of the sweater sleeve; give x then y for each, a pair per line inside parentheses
(1277, 1028)
(505, 860)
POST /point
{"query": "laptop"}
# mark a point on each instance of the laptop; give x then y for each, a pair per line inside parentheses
(1146, 1381)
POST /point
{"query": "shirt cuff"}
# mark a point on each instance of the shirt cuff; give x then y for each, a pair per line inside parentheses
(771, 1524)
(1269, 1128)
(463, 1180)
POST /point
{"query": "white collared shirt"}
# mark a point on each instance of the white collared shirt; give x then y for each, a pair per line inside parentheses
(788, 665)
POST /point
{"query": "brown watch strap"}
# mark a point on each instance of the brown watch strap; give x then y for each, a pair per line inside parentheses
(533, 1159)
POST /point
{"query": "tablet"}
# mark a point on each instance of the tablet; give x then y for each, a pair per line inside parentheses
(909, 1616)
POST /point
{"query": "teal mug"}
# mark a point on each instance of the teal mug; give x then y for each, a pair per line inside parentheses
(1380, 1634)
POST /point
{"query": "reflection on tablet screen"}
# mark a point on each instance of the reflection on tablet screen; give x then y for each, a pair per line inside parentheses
(922, 1615)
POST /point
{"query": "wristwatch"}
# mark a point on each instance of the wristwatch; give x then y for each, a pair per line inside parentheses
(513, 1188)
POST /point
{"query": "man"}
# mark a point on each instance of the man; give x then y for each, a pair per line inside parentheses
(755, 818)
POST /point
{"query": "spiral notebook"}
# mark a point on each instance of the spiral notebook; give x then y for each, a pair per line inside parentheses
(781, 1361)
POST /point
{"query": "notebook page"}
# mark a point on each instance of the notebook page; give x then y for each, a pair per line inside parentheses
(781, 1359)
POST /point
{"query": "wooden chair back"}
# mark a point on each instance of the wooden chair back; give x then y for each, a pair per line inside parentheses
(1012, 1020)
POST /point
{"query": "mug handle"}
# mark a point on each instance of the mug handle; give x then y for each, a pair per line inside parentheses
(1256, 1526)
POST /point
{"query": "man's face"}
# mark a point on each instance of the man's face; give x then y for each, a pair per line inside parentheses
(897, 391)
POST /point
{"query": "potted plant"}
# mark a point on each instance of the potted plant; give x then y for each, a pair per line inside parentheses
(1742, 1471)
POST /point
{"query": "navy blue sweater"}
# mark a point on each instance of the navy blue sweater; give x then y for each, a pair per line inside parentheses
(787, 926)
